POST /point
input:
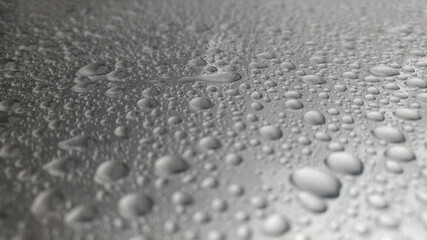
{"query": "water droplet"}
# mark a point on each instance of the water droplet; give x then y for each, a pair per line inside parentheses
(209, 143)
(416, 82)
(58, 167)
(47, 202)
(147, 102)
(375, 116)
(344, 162)
(170, 165)
(275, 225)
(93, 69)
(111, 171)
(311, 202)
(317, 182)
(389, 134)
(81, 215)
(383, 71)
(78, 143)
(134, 205)
(407, 114)
(200, 103)
(294, 104)
(270, 132)
(314, 117)
(400, 153)
(393, 167)
(233, 159)
(313, 79)
(377, 201)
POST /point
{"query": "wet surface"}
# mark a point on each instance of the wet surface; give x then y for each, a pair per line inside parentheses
(215, 120)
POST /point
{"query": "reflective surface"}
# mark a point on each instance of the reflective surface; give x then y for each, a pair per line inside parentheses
(213, 120)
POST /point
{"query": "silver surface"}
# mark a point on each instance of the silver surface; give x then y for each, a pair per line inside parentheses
(240, 119)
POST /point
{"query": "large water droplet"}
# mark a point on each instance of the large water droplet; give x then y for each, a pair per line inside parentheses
(200, 103)
(170, 165)
(134, 205)
(270, 132)
(407, 114)
(111, 171)
(313, 79)
(389, 134)
(344, 162)
(81, 215)
(317, 182)
(312, 202)
(78, 143)
(93, 69)
(400, 153)
(275, 225)
(383, 71)
(47, 202)
(314, 117)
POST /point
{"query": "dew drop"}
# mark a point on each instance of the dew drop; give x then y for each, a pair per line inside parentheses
(383, 71)
(407, 114)
(317, 182)
(389, 134)
(81, 215)
(170, 165)
(275, 225)
(270, 132)
(314, 117)
(47, 202)
(111, 171)
(78, 143)
(313, 79)
(311, 202)
(93, 69)
(400, 153)
(134, 205)
(200, 103)
(344, 162)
